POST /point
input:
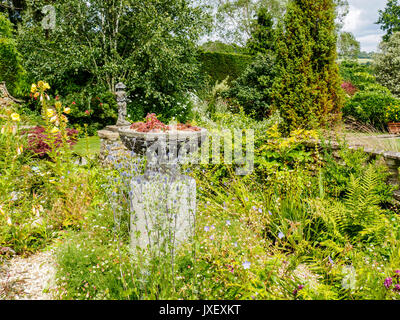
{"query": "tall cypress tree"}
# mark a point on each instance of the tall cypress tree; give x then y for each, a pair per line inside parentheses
(307, 90)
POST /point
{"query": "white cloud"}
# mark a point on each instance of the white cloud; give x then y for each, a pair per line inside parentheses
(353, 21)
(361, 21)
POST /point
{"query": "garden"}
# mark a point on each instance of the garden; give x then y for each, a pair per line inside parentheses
(311, 213)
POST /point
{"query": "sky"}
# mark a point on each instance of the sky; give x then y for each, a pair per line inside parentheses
(361, 22)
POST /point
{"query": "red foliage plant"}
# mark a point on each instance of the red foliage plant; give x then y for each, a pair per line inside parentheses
(349, 88)
(38, 140)
(152, 124)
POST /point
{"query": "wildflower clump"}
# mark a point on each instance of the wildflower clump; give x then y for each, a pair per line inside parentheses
(55, 134)
(393, 283)
(392, 113)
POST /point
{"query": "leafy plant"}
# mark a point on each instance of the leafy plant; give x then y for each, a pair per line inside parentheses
(369, 107)
(392, 113)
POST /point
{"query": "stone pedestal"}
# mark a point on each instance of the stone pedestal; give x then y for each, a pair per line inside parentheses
(162, 212)
(110, 143)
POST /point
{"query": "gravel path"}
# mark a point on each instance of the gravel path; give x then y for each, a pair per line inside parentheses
(30, 278)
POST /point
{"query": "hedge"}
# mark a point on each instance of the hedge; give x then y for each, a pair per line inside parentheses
(219, 65)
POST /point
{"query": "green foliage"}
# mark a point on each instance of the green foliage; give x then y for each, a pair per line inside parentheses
(219, 46)
(356, 73)
(92, 106)
(11, 70)
(241, 14)
(348, 46)
(307, 89)
(263, 33)
(369, 107)
(392, 113)
(219, 65)
(389, 19)
(387, 66)
(252, 90)
(150, 46)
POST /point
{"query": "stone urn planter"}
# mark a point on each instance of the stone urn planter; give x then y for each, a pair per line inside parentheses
(394, 127)
(163, 202)
(163, 149)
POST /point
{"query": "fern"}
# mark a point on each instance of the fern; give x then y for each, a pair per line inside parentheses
(359, 216)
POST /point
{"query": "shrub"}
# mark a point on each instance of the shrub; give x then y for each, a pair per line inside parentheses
(219, 65)
(369, 107)
(252, 90)
(38, 140)
(95, 107)
(357, 74)
(387, 64)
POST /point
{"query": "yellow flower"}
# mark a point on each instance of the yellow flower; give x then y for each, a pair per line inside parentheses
(46, 86)
(40, 84)
(2, 211)
(33, 88)
(64, 118)
(67, 110)
(36, 94)
(49, 113)
(54, 130)
(53, 119)
(9, 222)
(20, 149)
(15, 117)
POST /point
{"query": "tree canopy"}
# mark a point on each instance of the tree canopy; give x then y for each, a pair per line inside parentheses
(389, 19)
(150, 45)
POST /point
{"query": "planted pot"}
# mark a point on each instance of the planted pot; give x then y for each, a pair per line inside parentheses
(394, 127)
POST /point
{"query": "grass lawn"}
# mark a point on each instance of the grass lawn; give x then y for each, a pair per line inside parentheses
(88, 146)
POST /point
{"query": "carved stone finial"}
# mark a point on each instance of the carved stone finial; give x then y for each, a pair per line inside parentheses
(121, 101)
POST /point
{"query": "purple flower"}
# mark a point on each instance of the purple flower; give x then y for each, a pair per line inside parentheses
(254, 208)
(281, 235)
(397, 272)
(235, 244)
(397, 287)
(388, 283)
(270, 213)
(300, 287)
(260, 210)
(212, 237)
(330, 260)
(228, 222)
(206, 228)
(246, 265)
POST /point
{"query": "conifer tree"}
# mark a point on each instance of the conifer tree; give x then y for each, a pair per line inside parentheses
(307, 89)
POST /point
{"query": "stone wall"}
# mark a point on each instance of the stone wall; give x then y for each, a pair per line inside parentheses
(392, 159)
